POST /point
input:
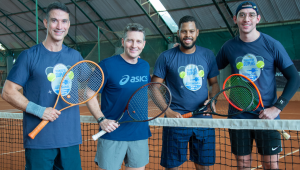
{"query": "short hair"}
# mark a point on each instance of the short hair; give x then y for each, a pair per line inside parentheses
(187, 18)
(133, 27)
(56, 5)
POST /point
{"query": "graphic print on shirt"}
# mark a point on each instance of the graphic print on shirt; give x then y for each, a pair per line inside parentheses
(55, 74)
(250, 65)
(192, 76)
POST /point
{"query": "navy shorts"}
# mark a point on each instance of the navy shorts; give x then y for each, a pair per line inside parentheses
(268, 142)
(175, 143)
(56, 159)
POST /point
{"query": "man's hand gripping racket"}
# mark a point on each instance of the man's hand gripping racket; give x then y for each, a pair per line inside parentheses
(239, 92)
(219, 101)
(86, 79)
(239, 79)
(146, 103)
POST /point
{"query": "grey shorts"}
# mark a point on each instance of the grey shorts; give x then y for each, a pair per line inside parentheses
(110, 154)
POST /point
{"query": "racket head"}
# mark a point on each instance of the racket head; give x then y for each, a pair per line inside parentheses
(222, 104)
(86, 78)
(241, 80)
(149, 102)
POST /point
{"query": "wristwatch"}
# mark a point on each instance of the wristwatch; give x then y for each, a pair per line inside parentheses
(100, 119)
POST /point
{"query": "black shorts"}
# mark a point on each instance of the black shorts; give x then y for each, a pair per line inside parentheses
(268, 142)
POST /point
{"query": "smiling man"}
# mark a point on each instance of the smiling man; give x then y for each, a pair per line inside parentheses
(256, 55)
(123, 75)
(38, 71)
(186, 70)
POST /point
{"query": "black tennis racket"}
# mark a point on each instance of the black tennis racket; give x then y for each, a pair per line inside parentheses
(236, 96)
(146, 103)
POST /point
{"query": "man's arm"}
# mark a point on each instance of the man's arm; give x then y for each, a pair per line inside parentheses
(169, 113)
(213, 83)
(107, 124)
(292, 85)
(214, 89)
(13, 96)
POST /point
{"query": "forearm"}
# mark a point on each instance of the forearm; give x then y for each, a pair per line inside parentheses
(214, 86)
(94, 107)
(105, 124)
(214, 90)
(292, 85)
(293, 82)
(13, 96)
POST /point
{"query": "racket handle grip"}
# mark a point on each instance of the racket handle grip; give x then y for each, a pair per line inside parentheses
(284, 134)
(99, 134)
(37, 129)
(187, 115)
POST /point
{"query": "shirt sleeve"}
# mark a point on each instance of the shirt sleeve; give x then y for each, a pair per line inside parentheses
(282, 59)
(160, 68)
(20, 71)
(213, 68)
(221, 59)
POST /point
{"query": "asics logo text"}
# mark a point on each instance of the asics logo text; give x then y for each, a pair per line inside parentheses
(133, 79)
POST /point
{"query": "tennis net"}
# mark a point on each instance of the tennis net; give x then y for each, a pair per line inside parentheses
(12, 153)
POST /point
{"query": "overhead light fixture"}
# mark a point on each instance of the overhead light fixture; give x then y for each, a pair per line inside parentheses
(164, 15)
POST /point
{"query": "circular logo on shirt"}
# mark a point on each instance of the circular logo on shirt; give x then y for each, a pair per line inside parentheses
(192, 76)
(250, 66)
(59, 71)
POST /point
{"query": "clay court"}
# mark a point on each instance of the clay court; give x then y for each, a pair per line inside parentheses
(12, 152)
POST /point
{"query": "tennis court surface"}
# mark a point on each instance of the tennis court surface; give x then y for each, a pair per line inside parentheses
(12, 151)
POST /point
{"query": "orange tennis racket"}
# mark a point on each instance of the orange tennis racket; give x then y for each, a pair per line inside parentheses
(86, 78)
(239, 79)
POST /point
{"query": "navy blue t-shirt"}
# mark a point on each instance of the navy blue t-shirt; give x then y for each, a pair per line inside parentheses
(121, 80)
(186, 76)
(259, 60)
(31, 71)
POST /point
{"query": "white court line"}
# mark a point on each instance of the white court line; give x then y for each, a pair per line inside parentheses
(24, 150)
(12, 152)
(280, 158)
(11, 125)
(88, 140)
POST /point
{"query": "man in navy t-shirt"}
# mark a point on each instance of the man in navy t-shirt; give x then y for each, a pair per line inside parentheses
(123, 74)
(39, 70)
(256, 55)
(186, 70)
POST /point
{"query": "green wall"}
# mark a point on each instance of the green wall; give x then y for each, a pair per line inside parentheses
(288, 35)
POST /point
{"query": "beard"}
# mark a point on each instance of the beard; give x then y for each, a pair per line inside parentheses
(187, 47)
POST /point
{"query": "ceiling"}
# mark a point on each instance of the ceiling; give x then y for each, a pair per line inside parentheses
(18, 19)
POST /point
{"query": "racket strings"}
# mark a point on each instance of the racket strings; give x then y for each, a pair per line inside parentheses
(241, 100)
(86, 79)
(149, 102)
(240, 97)
(223, 104)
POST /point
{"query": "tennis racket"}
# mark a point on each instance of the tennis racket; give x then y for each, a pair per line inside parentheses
(79, 84)
(234, 93)
(146, 103)
(239, 79)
